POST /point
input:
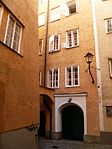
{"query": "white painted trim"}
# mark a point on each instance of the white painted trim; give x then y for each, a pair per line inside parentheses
(1, 12)
(61, 100)
(6, 28)
(15, 22)
(99, 82)
(58, 12)
(72, 76)
(52, 78)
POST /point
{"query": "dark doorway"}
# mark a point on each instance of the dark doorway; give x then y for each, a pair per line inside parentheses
(72, 123)
(42, 128)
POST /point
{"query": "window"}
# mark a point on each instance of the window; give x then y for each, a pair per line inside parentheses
(109, 25)
(55, 14)
(110, 67)
(40, 46)
(72, 76)
(69, 8)
(41, 19)
(109, 110)
(54, 43)
(13, 34)
(72, 38)
(1, 12)
(40, 78)
(41, 1)
(53, 78)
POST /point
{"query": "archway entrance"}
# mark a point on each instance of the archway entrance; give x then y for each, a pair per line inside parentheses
(45, 116)
(72, 123)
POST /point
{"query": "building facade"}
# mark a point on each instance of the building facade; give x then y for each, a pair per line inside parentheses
(19, 91)
(102, 20)
(66, 35)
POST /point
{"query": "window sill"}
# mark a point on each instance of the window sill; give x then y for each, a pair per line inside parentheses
(53, 51)
(108, 32)
(72, 14)
(72, 86)
(40, 54)
(41, 25)
(11, 49)
(53, 87)
(71, 47)
(54, 20)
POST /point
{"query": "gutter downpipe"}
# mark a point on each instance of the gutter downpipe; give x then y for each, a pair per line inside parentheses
(46, 43)
(99, 82)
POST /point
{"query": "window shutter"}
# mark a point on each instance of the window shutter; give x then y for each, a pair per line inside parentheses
(58, 41)
(77, 5)
(51, 43)
(64, 9)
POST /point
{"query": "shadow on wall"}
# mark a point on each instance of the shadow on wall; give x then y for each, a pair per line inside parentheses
(18, 139)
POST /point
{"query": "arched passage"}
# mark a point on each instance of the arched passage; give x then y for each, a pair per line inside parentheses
(45, 116)
(72, 122)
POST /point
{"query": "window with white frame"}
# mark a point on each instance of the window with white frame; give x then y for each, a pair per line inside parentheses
(70, 7)
(110, 67)
(40, 46)
(13, 34)
(108, 25)
(41, 19)
(72, 38)
(41, 1)
(1, 12)
(54, 43)
(72, 76)
(55, 14)
(53, 78)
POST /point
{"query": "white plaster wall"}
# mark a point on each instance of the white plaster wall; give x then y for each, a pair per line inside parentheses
(60, 100)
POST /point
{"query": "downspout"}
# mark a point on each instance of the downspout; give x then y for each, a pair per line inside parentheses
(46, 44)
(99, 82)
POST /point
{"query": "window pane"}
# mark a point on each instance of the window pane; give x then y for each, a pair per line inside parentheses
(75, 76)
(69, 76)
(9, 32)
(109, 25)
(69, 39)
(75, 42)
(56, 40)
(16, 37)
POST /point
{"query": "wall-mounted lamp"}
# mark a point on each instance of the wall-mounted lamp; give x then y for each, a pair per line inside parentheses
(89, 59)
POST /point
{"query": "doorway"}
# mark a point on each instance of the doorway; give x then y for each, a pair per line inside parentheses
(72, 123)
(42, 129)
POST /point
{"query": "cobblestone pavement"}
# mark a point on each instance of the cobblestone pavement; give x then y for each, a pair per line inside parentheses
(66, 144)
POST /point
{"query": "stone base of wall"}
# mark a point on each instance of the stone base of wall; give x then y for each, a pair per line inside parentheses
(106, 137)
(18, 139)
(56, 135)
(91, 139)
(87, 138)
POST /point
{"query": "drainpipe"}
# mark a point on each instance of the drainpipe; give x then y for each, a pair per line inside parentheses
(46, 43)
(99, 82)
